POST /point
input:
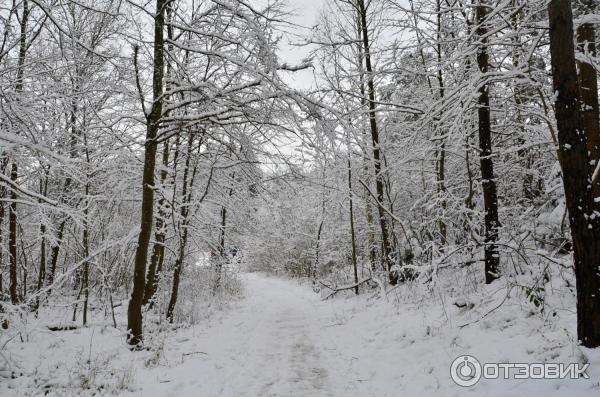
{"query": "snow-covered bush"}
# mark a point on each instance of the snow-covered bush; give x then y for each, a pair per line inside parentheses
(199, 299)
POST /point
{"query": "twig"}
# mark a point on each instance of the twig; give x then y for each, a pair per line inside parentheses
(491, 311)
(343, 288)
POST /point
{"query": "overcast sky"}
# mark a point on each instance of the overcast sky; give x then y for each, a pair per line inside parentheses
(306, 13)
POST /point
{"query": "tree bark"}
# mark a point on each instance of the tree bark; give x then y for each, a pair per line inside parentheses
(12, 238)
(183, 212)
(312, 272)
(86, 241)
(488, 181)
(588, 88)
(55, 251)
(222, 252)
(158, 250)
(441, 152)
(3, 166)
(372, 250)
(42, 266)
(352, 233)
(576, 173)
(134, 311)
(379, 182)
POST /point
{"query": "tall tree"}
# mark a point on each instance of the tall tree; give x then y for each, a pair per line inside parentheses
(488, 181)
(14, 172)
(377, 158)
(134, 311)
(158, 249)
(588, 87)
(351, 216)
(576, 173)
(186, 194)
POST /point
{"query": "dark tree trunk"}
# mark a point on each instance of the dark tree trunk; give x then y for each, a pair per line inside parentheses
(134, 311)
(371, 247)
(352, 233)
(222, 252)
(12, 238)
(588, 88)
(441, 152)
(379, 182)
(55, 251)
(315, 267)
(158, 249)
(3, 165)
(488, 182)
(42, 266)
(183, 212)
(574, 160)
(86, 242)
(221, 245)
(86, 270)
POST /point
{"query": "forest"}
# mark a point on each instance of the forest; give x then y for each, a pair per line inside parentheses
(318, 198)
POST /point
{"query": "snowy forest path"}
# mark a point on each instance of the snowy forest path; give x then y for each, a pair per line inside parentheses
(268, 345)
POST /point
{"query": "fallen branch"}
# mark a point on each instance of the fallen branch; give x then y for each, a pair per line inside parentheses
(343, 288)
(490, 311)
(62, 327)
(190, 353)
(326, 286)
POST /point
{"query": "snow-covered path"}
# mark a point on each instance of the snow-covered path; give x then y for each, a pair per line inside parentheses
(268, 346)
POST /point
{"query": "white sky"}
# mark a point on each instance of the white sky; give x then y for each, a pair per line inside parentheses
(306, 13)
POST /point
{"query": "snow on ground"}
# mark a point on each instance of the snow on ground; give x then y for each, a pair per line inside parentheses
(282, 340)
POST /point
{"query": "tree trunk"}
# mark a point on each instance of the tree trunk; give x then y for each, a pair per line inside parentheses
(379, 183)
(222, 252)
(86, 272)
(312, 272)
(14, 171)
(588, 88)
(441, 152)
(352, 234)
(183, 212)
(134, 311)
(574, 160)
(55, 251)
(86, 245)
(369, 211)
(42, 266)
(12, 237)
(3, 166)
(488, 182)
(158, 249)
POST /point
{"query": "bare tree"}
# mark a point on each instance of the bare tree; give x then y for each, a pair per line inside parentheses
(488, 181)
(153, 118)
(377, 160)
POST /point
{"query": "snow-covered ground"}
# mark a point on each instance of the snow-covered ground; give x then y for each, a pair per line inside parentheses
(281, 339)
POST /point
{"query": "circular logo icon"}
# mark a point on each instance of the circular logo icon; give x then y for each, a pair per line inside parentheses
(465, 371)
